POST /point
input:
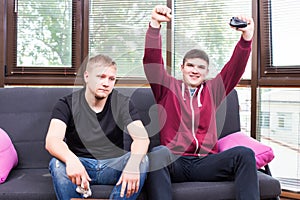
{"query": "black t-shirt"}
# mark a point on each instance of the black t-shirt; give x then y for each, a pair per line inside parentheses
(95, 135)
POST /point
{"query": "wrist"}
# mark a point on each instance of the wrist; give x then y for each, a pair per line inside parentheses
(154, 23)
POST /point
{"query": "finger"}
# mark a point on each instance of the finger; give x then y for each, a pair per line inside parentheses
(123, 188)
(73, 179)
(163, 10)
(137, 187)
(169, 15)
(87, 176)
(85, 184)
(78, 181)
(130, 189)
(120, 180)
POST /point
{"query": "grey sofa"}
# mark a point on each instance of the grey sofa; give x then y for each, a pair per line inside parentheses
(25, 113)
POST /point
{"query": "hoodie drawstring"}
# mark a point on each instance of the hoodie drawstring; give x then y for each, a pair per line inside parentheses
(198, 96)
(182, 91)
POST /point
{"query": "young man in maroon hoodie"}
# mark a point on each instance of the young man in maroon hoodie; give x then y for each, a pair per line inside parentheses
(189, 135)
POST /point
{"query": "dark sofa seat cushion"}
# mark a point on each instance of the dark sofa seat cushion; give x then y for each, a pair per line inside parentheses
(30, 184)
(269, 188)
(36, 184)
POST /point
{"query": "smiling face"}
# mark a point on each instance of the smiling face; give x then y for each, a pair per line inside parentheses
(194, 71)
(100, 78)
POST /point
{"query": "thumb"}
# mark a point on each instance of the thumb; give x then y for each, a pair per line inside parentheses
(120, 180)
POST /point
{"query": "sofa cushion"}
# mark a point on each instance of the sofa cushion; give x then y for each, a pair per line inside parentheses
(8, 155)
(263, 153)
(33, 184)
(269, 188)
(25, 115)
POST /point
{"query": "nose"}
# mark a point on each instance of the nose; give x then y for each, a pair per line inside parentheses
(105, 82)
(195, 70)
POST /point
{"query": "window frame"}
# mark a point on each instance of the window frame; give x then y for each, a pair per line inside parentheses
(268, 74)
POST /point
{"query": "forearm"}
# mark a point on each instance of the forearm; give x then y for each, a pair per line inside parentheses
(138, 151)
(59, 149)
(235, 67)
(139, 146)
(153, 47)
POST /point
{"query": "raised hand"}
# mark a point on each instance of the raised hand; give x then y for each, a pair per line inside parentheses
(248, 31)
(160, 14)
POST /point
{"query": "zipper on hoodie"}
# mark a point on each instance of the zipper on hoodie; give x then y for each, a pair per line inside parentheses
(193, 123)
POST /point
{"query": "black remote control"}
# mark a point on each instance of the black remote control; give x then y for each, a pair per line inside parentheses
(235, 22)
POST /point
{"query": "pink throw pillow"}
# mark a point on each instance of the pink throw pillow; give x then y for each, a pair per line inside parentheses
(8, 155)
(263, 153)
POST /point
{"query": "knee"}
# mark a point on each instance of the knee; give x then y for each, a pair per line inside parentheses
(159, 153)
(57, 168)
(144, 166)
(245, 153)
(161, 150)
(159, 157)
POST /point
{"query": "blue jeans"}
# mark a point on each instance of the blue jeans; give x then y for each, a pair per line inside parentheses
(102, 172)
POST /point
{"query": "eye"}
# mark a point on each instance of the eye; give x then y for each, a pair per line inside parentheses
(201, 67)
(189, 65)
(112, 78)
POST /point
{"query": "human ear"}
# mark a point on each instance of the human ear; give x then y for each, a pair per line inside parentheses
(85, 76)
(181, 67)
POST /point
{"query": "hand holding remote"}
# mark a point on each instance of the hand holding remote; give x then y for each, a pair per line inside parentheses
(237, 23)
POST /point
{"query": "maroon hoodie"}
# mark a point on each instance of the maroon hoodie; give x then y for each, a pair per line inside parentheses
(188, 123)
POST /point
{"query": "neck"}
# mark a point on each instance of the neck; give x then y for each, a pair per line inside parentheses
(96, 104)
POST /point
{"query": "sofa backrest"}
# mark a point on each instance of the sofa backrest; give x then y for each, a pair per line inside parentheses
(25, 115)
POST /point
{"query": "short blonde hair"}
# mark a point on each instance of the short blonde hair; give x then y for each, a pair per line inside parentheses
(100, 60)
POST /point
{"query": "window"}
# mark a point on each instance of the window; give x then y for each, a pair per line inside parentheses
(279, 38)
(42, 41)
(285, 33)
(282, 107)
(44, 33)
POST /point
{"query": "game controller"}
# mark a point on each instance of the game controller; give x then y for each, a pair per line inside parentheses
(237, 23)
(85, 193)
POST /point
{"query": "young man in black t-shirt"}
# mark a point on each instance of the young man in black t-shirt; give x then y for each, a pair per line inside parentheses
(85, 137)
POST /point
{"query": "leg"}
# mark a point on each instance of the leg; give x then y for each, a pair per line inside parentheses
(111, 170)
(236, 164)
(158, 182)
(246, 181)
(63, 186)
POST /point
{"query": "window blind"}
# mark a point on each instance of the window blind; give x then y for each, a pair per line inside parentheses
(117, 28)
(44, 33)
(285, 33)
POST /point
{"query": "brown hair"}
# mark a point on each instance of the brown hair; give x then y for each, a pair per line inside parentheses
(196, 53)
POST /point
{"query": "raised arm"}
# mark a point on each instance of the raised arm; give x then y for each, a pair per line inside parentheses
(233, 70)
(153, 60)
